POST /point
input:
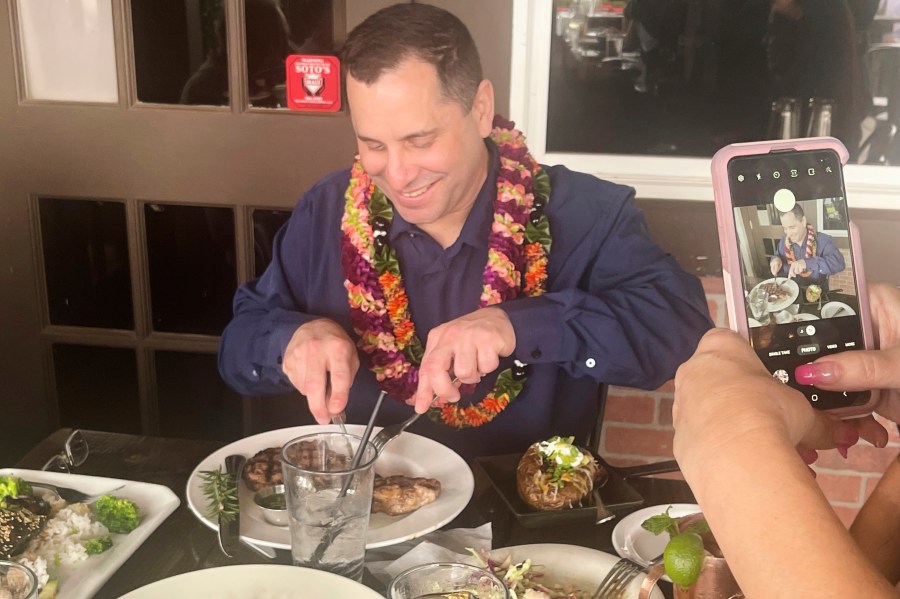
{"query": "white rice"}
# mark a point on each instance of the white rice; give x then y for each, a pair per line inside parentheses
(61, 540)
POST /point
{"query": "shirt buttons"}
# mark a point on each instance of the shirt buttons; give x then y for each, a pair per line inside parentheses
(536, 354)
(254, 373)
(590, 362)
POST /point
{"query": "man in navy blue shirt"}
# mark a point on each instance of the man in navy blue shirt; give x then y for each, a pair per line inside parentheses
(803, 254)
(612, 308)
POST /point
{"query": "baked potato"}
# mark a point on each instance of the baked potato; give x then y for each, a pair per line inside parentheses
(813, 293)
(555, 474)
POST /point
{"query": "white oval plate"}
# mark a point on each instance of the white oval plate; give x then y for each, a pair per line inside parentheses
(257, 580)
(409, 454)
(804, 317)
(631, 541)
(832, 309)
(789, 284)
(568, 564)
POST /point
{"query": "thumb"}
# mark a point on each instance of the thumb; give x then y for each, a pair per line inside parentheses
(853, 371)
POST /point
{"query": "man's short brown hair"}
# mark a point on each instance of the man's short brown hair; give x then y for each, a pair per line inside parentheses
(415, 31)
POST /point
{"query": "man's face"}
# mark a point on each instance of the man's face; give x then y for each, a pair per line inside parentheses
(794, 228)
(424, 151)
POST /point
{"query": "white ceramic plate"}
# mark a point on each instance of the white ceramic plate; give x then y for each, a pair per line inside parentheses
(832, 309)
(789, 284)
(408, 454)
(803, 317)
(568, 564)
(270, 581)
(155, 502)
(631, 541)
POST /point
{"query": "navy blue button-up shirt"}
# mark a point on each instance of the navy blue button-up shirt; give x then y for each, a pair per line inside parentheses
(618, 309)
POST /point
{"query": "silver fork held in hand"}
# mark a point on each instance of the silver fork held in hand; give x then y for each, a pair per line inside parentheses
(386, 434)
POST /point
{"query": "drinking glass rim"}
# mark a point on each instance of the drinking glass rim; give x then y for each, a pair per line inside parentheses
(433, 565)
(29, 573)
(361, 466)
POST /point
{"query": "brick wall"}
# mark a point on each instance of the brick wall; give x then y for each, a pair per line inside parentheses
(637, 429)
(844, 279)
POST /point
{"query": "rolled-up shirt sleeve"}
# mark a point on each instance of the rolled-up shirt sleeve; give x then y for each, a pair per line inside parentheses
(632, 315)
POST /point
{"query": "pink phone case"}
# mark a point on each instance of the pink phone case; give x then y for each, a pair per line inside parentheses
(731, 267)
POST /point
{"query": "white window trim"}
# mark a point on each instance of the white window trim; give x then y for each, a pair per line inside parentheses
(654, 177)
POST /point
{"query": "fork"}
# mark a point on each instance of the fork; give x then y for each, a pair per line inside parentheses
(618, 580)
(388, 433)
(72, 495)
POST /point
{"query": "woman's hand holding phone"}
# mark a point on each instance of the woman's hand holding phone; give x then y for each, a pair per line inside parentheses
(772, 199)
(869, 369)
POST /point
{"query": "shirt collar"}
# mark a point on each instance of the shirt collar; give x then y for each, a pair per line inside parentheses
(477, 226)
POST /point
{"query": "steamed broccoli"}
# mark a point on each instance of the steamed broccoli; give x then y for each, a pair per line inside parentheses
(12, 486)
(118, 515)
(98, 545)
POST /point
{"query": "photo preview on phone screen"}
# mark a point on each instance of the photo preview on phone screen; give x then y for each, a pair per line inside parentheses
(797, 268)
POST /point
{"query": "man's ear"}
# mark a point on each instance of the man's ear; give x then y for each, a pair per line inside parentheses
(483, 107)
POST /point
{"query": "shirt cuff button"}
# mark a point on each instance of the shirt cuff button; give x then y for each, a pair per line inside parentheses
(536, 354)
(590, 362)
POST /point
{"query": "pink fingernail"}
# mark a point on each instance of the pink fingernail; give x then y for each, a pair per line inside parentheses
(816, 373)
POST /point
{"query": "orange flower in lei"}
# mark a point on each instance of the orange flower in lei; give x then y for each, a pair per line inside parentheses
(518, 246)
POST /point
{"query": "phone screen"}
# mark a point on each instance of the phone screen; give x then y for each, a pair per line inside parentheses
(797, 271)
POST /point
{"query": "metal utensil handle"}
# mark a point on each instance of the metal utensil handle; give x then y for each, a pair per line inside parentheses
(367, 434)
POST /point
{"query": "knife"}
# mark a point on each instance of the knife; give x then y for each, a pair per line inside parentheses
(230, 529)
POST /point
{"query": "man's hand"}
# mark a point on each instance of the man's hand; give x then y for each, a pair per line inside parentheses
(469, 347)
(775, 266)
(798, 267)
(318, 350)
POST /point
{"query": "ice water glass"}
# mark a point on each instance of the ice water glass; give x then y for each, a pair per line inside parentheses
(440, 579)
(328, 501)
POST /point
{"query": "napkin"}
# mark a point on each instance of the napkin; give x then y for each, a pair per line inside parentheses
(438, 546)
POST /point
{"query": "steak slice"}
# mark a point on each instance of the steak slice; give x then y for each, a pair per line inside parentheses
(263, 469)
(397, 495)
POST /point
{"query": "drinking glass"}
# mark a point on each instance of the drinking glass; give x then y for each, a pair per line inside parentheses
(437, 580)
(328, 501)
(17, 580)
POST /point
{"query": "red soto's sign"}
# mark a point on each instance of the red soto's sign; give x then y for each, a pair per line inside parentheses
(313, 83)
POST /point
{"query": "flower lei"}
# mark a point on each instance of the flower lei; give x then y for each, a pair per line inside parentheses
(518, 244)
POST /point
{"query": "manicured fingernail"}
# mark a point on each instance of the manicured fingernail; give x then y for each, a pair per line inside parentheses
(842, 449)
(816, 373)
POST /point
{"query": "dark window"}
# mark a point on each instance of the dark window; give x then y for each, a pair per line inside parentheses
(275, 29)
(194, 403)
(682, 78)
(180, 51)
(266, 224)
(85, 249)
(191, 255)
(97, 388)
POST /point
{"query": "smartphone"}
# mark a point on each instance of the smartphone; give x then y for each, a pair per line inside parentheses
(791, 260)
